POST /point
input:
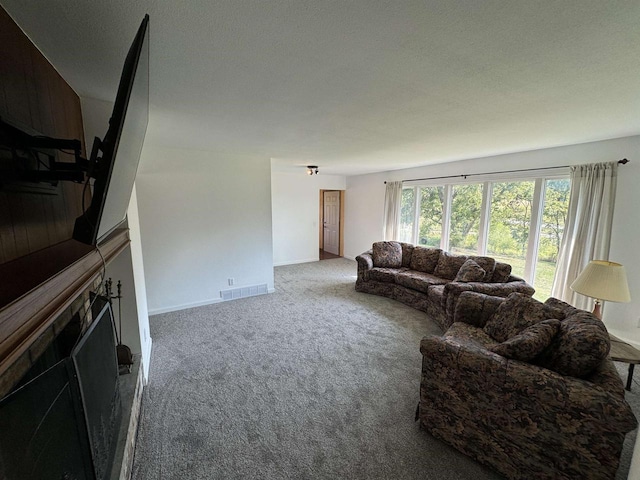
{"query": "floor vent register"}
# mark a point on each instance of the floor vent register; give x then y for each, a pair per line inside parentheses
(242, 292)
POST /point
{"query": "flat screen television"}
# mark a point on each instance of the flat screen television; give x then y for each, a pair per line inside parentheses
(115, 169)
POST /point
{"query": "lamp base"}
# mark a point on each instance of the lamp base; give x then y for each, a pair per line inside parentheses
(597, 311)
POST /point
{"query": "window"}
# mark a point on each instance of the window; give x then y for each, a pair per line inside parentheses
(466, 206)
(511, 205)
(516, 221)
(554, 215)
(430, 221)
(407, 214)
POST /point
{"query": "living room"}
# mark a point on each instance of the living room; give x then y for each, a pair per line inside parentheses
(219, 204)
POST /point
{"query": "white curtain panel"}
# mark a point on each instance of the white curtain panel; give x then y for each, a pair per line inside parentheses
(392, 201)
(587, 231)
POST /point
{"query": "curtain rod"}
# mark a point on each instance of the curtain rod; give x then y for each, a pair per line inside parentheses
(624, 161)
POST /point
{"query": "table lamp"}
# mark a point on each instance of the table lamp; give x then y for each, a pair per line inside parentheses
(602, 280)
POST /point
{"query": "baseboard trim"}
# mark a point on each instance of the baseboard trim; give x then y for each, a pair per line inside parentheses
(294, 262)
(175, 308)
(307, 260)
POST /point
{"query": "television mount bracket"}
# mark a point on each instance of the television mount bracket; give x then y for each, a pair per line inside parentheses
(17, 140)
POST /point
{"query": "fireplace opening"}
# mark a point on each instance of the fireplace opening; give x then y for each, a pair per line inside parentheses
(61, 421)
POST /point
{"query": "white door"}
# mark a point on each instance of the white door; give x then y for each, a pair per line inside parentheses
(332, 222)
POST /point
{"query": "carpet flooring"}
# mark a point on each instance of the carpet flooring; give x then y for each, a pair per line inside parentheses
(315, 381)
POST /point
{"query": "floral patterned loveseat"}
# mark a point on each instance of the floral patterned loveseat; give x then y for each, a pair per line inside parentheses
(430, 279)
(526, 388)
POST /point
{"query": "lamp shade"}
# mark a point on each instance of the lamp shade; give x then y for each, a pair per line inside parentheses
(603, 280)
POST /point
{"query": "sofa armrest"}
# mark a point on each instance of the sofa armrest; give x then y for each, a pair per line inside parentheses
(606, 376)
(510, 392)
(452, 372)
(452, 291)
(453, 360)
(365, 264)
(587, 402)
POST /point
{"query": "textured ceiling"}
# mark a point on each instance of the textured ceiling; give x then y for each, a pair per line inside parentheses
(362, 85)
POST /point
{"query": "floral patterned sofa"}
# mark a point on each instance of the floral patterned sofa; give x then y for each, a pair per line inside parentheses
(526, 388)
(430, 279)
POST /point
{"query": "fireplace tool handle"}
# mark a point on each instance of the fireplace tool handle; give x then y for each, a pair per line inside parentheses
(119, 297)
(123, 352)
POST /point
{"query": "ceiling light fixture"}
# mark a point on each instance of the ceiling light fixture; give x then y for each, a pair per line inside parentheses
(312, 169)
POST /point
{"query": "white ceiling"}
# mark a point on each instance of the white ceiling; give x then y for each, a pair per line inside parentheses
(357, 86)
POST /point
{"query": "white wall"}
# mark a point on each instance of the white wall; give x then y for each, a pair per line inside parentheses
(204, 218)
(137, 265)
(364, 212)
(623, 319)
(365, 201)
(295, 200)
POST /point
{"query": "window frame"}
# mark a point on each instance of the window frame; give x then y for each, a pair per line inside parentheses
(539, 176)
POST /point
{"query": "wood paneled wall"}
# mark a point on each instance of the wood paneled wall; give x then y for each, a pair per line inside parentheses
(33, 94)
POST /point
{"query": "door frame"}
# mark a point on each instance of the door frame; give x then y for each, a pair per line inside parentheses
(321, 220)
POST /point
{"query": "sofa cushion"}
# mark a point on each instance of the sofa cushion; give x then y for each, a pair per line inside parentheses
(501, 273)
(465, 333)
(475, 308)
(387, 254)
(419, 281)
(516, 313)
(488, 264)
(407, 253)
(582, 343)
(381, 274)
(424, 259)
(530, 342)
(470, 271)
(448, 265)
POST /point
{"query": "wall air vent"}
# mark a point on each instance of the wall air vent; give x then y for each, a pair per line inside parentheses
(242, 292)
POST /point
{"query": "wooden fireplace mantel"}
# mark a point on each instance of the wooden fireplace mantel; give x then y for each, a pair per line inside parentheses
(25, 319)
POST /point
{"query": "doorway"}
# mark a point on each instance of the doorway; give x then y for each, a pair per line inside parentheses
(331, 231)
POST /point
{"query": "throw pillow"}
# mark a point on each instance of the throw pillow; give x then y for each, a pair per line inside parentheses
(530, 342)
(448, 265)
(407, 252)
(488, 264)
(387, 254)
(516, 313)
(470, 272)
(580, 346)
(424, 259)
(501, 273)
